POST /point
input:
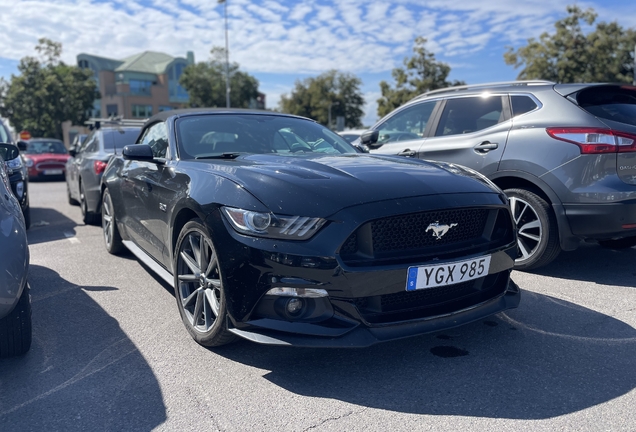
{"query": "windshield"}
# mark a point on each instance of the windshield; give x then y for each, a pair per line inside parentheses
(41, 147)
(4, 134)
(210, 135)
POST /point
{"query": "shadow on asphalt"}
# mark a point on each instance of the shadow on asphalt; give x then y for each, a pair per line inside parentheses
(49, 225)
(593, 263)
(88, 375)
(546, 359)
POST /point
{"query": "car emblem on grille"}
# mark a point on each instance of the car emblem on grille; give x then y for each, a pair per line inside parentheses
(439, 230)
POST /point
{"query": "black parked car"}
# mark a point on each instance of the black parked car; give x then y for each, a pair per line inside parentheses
(87, 163)
(17, 172)
(275, 229)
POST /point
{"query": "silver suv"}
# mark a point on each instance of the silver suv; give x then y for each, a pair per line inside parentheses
(565, 154)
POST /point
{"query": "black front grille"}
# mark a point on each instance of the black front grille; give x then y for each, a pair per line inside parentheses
(414, 231)
(408, 305)
(418, 237)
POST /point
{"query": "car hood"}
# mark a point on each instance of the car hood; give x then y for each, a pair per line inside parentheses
(322, 185)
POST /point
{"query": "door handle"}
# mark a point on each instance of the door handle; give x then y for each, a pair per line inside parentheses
(407, 153)
(486, 146)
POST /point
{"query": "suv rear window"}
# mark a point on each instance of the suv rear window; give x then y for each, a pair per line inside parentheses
(610, 102)
(118, 138)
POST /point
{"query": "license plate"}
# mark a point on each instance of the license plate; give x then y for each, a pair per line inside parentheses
(53, 172)
(447, 274)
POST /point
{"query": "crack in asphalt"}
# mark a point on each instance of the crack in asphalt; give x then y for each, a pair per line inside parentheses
(345, 415)
(110, 354)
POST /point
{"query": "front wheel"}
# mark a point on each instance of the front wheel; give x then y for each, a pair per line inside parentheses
(15, 328)
(537, 231)
(199, 288)
(112, 238)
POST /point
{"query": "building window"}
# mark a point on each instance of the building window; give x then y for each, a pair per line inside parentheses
(140, 87)
(83, 64)
(165, 108)
(111, 110)
(142, 111)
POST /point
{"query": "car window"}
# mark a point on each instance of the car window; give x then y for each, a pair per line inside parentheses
(407, 124)
(470, 114)
(92, 146)
(4, 134)
(212, 135)
(157, 138)
(611, 103)
(41, 147)
(119, 138)
(522, 104)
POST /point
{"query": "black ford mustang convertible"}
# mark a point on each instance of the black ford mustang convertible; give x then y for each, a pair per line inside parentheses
(272, 228)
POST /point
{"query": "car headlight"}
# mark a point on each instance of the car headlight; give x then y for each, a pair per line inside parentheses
(271, 225)
(14, 164)
(28, 162)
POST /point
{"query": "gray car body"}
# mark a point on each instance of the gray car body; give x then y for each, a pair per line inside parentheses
(79, 168)
(585, 191)
(14, 248)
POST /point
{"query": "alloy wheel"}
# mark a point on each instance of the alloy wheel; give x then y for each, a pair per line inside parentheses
(199, 282)
(529, 229)
(107, 221)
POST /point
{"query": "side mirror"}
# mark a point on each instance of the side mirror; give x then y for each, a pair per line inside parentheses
(138, 152)
(22, 145)
(370, 139)
(8, 152)
(361, 149)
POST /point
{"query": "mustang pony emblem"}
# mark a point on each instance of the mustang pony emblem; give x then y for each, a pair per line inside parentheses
(439, 230)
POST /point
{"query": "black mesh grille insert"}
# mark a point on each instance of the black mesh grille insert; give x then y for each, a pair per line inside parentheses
(410, 231)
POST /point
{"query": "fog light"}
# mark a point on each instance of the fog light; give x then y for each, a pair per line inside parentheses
(19, 189)
(294, 306)
(299, 292)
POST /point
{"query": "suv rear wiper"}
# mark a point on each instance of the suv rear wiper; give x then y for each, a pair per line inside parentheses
(225, 155)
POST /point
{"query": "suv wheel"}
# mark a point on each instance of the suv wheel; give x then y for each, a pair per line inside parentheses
(88, 217)
(537, 232)
(15, 328)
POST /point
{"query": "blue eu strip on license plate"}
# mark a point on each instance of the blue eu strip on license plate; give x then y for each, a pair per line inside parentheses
(447, 274)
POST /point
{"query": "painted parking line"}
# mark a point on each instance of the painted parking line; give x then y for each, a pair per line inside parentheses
(71, 237)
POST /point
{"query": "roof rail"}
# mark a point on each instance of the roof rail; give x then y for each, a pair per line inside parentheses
(485, 85)
(96, 123)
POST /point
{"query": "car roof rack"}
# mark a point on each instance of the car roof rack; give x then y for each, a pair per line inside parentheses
(96, 123)
(485, 85)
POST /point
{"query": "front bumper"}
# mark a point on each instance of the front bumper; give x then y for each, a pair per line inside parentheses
(367, 302)
(602, 221)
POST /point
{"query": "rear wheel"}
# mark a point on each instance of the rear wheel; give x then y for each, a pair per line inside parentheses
(198, 286)
(112, 239)
(15, 328)
(71, 200)
(90, 218)
(537, 231)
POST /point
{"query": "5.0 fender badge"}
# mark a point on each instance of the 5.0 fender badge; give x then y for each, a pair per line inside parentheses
(439, 230)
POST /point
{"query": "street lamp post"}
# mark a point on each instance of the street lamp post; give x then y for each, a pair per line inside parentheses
(330, 105)
(227, 58)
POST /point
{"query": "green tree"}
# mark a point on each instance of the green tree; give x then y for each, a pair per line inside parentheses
(421, 73)
(205, 83)
(47, 93)
(604, 54)
(333, 91)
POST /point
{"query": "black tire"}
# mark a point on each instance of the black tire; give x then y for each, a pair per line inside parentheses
(200, 300)
(622, 243)
(15, 328)
(72, 201)
(89, 218)
(112, 238)
(27, 216)
(537, 230)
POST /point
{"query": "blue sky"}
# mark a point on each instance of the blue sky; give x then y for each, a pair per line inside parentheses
(281, 41)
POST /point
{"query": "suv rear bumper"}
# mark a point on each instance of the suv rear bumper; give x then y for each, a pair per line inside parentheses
(602, 221)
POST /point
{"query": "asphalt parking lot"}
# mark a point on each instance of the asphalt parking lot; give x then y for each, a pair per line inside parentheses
(110, 353)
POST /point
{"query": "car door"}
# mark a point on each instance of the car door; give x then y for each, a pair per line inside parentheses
(471, 131)
(74, 168)
(403, 132)
(145, 194)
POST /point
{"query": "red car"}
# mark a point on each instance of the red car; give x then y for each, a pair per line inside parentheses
(45, 158)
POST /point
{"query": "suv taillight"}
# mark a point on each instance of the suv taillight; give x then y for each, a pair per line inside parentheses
(594, 140)
(99, 167)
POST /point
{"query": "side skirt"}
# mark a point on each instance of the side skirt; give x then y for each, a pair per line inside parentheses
(147, 260)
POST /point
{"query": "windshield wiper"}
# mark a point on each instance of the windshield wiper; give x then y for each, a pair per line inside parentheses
(225, 155)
